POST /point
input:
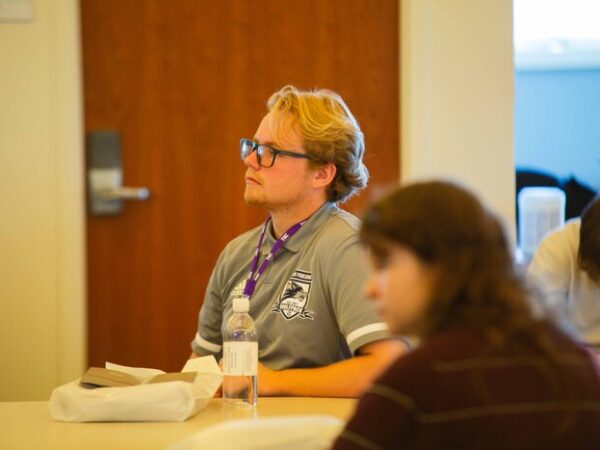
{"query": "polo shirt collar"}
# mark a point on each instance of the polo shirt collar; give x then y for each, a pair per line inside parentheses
(297, 241)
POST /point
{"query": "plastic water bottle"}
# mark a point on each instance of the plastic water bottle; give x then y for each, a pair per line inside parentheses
(240, 356)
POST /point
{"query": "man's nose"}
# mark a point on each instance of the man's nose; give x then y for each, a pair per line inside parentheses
(252, 161)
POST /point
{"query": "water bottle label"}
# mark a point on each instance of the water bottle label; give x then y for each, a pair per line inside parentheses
(240, 358)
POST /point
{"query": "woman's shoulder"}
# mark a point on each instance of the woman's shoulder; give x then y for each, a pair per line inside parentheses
(423, 362)
(565, 238)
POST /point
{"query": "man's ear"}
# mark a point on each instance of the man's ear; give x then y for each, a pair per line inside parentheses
(324, 175)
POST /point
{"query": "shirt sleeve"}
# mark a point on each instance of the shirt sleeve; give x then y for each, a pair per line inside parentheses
(208, 339)
(356, 315)
(549, 272)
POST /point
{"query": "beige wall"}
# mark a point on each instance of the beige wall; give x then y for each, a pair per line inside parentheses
(41, 211)
(458, 95)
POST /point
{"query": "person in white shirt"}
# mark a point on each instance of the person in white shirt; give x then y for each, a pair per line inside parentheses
(566, 269)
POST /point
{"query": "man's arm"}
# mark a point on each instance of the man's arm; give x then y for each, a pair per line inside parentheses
(207, 340)
(348, 378)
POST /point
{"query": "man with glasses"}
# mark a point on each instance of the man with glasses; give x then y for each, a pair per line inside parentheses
(302, 270)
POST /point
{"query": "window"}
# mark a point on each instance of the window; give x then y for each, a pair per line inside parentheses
(556, 34)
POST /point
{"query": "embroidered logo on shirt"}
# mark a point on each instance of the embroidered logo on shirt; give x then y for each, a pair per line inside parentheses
(238, 291)
(294, 298)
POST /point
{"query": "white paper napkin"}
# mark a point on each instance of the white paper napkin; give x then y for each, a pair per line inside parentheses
(170, 401)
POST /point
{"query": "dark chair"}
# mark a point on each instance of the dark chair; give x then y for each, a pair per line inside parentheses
(578, 195)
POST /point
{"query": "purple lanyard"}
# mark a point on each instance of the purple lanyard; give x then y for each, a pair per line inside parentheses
(256, 274)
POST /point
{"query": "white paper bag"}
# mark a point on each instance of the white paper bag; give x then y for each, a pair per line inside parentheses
(315, 432)
(170, 401)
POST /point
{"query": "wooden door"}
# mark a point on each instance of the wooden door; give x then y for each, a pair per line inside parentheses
(182, 82)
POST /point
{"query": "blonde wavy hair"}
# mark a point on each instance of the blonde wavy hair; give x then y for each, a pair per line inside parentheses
(330, 134)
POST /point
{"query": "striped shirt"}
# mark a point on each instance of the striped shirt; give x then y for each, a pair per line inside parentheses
(454, 393)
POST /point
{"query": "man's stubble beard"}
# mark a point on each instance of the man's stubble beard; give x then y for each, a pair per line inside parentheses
(251, 200)
(261, 202)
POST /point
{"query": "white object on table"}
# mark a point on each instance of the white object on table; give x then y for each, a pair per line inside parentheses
(170, 401)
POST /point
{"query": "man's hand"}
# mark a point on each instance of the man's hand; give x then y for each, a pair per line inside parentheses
(267, 381)
(348, 378)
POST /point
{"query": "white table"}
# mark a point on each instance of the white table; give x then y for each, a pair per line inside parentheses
(28, 425)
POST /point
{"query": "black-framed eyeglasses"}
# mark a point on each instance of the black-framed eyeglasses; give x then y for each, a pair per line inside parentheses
(265, 154)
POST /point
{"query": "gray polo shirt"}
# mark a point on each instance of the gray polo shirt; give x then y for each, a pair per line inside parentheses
(308, 306)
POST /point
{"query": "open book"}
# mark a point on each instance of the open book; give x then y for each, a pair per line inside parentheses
(99, 377)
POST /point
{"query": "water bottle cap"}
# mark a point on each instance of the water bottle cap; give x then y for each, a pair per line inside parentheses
(241, 304)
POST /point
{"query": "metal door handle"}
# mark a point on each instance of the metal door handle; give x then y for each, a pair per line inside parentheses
(105, 175)
(123, 193)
